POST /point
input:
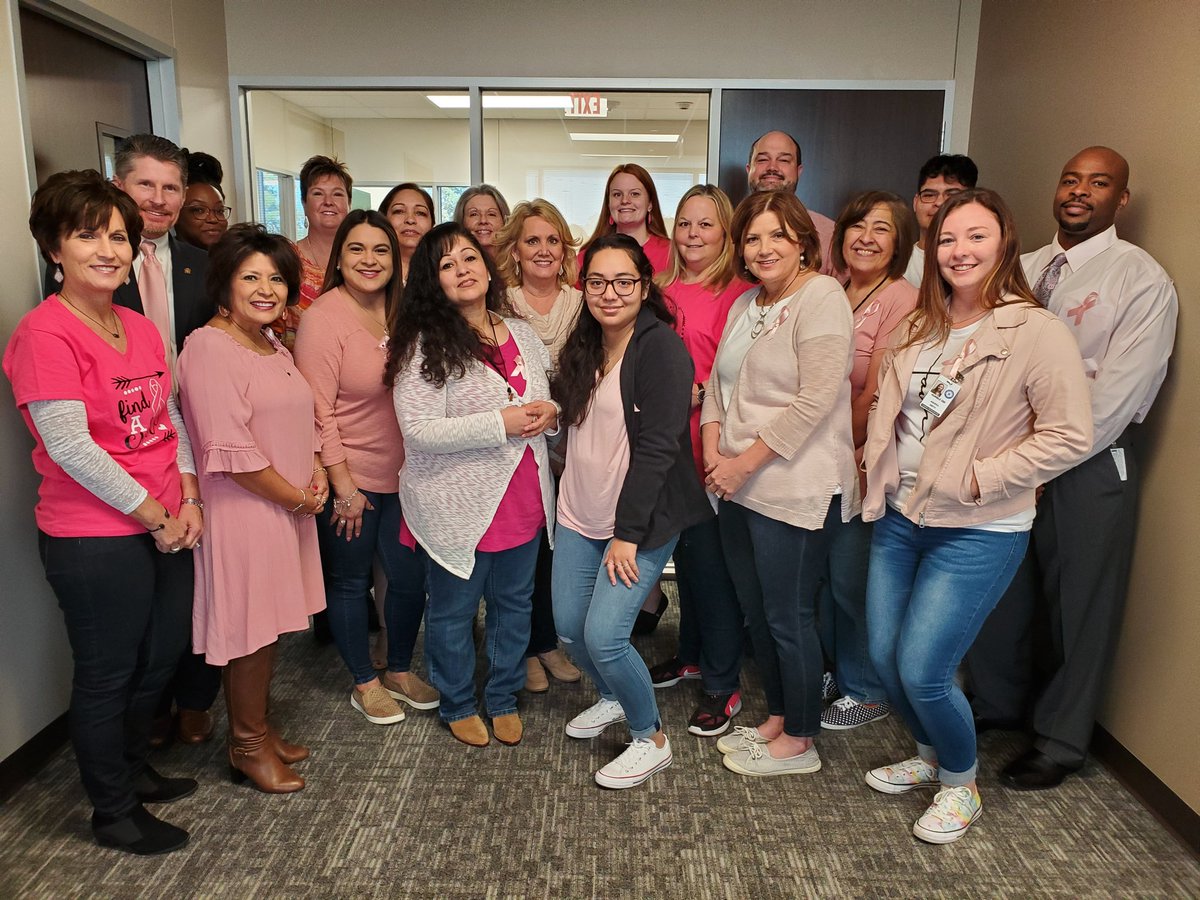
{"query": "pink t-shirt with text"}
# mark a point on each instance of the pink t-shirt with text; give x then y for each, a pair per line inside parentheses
(55, 356)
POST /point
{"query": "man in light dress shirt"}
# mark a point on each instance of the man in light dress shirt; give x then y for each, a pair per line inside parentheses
(1122, 307)
(775, 165)
(941, 177)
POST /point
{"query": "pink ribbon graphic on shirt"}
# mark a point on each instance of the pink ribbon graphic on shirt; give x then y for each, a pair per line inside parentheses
(783, 317)
(518, 369)
(1078, 312)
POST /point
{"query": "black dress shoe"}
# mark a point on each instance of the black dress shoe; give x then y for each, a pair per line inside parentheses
(137, 832)
(1034, 771)
(151, 787)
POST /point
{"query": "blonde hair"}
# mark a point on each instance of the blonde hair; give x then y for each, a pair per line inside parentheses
(720, 271)
(510, 235)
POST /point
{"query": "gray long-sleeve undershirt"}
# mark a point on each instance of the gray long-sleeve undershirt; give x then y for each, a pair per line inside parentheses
(63, 427)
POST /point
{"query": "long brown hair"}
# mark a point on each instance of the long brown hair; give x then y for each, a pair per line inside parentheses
(654, 219)
(1006, 283)
(394, 289)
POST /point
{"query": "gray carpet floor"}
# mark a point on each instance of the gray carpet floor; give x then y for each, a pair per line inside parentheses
(405, 811)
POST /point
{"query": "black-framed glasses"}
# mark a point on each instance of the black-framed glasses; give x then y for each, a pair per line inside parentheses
(594, 286)
(202, 212)
(932, 196)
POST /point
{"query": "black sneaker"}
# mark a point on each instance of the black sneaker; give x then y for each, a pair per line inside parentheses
(670, 673)
(713, 714)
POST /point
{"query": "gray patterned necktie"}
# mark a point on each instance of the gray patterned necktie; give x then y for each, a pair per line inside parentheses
(1049, 279)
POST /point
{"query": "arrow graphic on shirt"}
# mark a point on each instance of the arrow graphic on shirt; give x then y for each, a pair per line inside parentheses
(122, 382)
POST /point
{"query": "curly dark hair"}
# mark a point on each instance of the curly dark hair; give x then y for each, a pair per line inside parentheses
(583, 354)
(426, 316)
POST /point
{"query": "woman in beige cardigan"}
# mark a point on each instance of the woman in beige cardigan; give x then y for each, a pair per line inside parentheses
(779, 454)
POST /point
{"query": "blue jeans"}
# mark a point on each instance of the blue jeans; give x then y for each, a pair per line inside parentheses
(710, 619)
(505, 580)
(928, 594)
(595, 619)
(348, 578)
(777, 570)
(843, 613)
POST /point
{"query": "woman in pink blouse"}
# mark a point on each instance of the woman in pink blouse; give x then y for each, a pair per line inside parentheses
(700, 286)
(258, 571)
(872, 241)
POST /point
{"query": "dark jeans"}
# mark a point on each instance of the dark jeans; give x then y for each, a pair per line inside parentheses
(128, 610)
(543, 637)
(777, 570)
(710, 619)
(842, 619)
(348, 578)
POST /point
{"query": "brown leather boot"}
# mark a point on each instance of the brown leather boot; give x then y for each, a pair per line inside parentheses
(194, 726)
(288, 752)
(251, 754)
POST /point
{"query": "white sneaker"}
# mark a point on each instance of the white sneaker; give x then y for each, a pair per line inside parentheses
(902, 777)
(640, 760)
(593, 720)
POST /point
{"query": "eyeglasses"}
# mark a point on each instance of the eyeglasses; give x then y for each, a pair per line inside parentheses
(931, 196)
(622, 287)
(203, 212)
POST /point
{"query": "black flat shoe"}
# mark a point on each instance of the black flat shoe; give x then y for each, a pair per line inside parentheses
(646, 622)
(151, 787)
(1034, 771)
(138, 832)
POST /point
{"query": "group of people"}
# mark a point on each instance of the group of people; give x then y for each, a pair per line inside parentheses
(852, 436)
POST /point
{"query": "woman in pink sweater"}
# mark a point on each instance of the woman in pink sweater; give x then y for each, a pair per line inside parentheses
(341, 350)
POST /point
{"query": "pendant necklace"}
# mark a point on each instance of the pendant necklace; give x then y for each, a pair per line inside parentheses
(115, 331)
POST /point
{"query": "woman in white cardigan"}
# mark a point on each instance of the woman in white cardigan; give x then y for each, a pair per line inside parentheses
(472, 399)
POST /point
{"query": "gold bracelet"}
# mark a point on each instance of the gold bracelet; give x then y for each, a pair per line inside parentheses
(299, 506)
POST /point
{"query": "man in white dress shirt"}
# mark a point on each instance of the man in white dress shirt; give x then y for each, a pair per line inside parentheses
(1122, 307)
(775, 165)
(941, 177)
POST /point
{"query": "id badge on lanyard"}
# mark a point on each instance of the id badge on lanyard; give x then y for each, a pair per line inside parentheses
(947, 386)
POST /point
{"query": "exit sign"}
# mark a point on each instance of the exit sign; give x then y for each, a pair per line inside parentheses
(588, 106)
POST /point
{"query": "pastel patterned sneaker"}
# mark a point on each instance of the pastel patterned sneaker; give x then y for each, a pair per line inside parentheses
(670, 673)
(639, 761)
(741, 739)
(756, 761)
(846, 713)
(949, 816)
(829, 688)
(902, 777)
(593, 720)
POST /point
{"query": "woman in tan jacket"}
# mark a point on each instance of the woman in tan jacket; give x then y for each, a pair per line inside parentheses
(982, 399)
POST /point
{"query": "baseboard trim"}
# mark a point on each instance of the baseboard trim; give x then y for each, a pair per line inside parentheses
(31, 757)
(1166, 806)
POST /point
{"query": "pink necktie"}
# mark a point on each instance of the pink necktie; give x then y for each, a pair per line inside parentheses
(152, 285)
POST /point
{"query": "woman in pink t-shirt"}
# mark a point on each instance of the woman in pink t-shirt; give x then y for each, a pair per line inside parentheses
(872, 241)
(118, 499)
(472, 398)
(341, 350)
(630, 206)
(700, 286)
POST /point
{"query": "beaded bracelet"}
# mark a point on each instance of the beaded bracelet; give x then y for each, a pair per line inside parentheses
(342, 504)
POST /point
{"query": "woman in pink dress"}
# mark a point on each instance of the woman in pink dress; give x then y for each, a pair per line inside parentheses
(700, 286)
(258, 572)
(631, 207)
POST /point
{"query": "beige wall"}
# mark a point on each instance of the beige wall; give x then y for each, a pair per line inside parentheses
(283, 135)
(1045, 89)
(35, 661)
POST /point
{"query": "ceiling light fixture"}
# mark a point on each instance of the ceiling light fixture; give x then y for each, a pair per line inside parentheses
(632, 137)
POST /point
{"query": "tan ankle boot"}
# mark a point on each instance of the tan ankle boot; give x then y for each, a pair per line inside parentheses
(251, 753)
(470, 731)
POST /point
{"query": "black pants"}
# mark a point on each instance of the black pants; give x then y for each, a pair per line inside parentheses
(127, 609)
(1045, 650)
(543, 636)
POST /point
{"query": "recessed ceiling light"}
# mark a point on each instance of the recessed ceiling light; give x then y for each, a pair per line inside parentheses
(632, 137)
